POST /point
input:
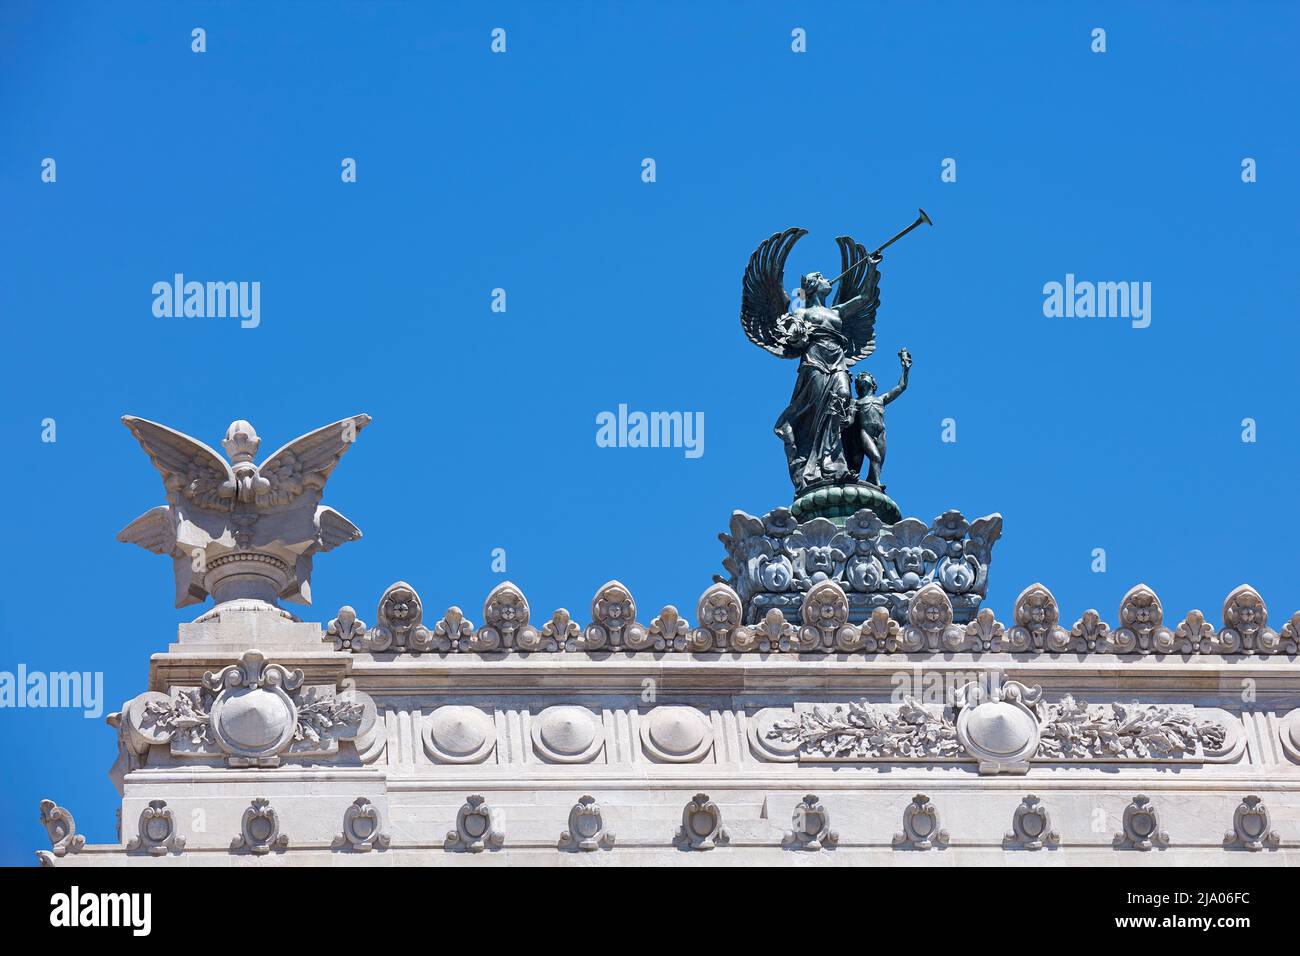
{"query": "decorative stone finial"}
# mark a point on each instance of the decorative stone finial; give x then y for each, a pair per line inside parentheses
(237, 530)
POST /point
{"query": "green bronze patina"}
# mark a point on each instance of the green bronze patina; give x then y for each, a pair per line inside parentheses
(838, 502)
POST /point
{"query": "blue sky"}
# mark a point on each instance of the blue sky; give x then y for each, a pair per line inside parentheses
(522, 171)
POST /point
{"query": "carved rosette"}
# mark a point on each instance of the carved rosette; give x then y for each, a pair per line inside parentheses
(61, 829)
(156, 833)
(811, 826)
(362, 828)
(400, 622)
(825, 616)
(1251, 827)
(719, 614)
(921, 829)
(930, 623)
(613, 622)
(1000, 731)
(1142, 629)
(259, 830)
(1141, 827)
(586, 832)
(505, 624)
(1038, 622)
(1031, 827)
(475, 830)
(701, 827)
(1245, 625)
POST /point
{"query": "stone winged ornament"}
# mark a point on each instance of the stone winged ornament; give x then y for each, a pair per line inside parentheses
(239, 530)
(828, 435)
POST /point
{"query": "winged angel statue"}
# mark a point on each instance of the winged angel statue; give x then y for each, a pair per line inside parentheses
(827, 435)
(235, 529)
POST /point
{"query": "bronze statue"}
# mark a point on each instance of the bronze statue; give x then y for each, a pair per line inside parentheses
(827, 435)
(864, 439)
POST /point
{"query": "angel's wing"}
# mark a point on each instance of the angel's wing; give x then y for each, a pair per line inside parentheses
(763, 299)
(861, 282)
(154, 531)
(303, 466)
(188, 466)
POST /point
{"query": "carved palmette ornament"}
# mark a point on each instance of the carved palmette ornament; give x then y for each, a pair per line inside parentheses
(1091, 633)
(400, 622)
(921, 829)
(1141, 826)
(1245, 625)
(825, 617)
(505, 624)
(1142, 629)
(774, 633)
(811, 826)
(586, 830)
(929, 623)
(1000, 730)
(670, 631)
(61, 828)
(347, 630)
(475, 828)
(253, 718)
(362, 828)
(454, 632)
(720, 614)
(562, 629)
(259, 830)
(701, 827)
(1031, 827)
(1038, 622)
(1251, 828)
(984, 633)
(1195, 634)
(880, 632)
(613, 621)
(157, 830)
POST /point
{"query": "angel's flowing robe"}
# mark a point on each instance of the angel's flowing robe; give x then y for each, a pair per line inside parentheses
(820, 408)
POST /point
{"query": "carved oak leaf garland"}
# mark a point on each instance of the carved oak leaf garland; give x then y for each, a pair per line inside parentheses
(865, 730)
(1072, 729)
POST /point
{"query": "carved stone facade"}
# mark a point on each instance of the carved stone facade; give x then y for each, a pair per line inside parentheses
(848, 671)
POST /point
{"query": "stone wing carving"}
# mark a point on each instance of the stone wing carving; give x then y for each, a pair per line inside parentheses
(154, 531)
(189, 468)
(303, 466)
